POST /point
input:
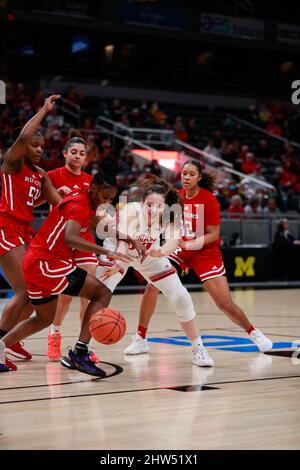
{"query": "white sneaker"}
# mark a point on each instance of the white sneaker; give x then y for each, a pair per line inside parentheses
(262, 342)
(201, 357)
(138, 345)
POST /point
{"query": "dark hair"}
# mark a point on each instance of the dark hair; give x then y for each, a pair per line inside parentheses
(75, 138)
(171, 196)
(110, 166)
(207, 181)
(280, 225)
(104, 179)
(39, 132)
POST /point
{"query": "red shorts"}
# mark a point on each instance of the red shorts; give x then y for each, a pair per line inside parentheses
(85, 257)
(206, 265)
(44, 277)
(12, 236)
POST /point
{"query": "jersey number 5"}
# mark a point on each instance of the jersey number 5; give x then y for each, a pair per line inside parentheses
(34, 194)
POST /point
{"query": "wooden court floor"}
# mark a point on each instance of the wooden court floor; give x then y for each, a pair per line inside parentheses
(160, 400)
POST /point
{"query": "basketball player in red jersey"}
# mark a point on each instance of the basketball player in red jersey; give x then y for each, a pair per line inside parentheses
(200, 252)
(66, 179)
(22, 184)
(49, 269)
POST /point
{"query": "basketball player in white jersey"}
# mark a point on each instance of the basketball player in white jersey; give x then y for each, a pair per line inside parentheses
(147, 222)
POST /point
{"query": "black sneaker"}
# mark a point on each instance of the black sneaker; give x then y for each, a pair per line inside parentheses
(82, 364)
(4, 368)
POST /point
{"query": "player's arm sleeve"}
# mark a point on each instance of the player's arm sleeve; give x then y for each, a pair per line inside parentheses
(72, 211)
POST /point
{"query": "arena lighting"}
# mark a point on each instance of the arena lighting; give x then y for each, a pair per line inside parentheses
(169, 159)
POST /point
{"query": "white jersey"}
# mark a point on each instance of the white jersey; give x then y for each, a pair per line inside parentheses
(148, 236)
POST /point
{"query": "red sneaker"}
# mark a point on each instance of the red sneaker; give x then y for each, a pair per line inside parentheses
(93, 357)
(18, 351)
(10, 365)
(53, 347)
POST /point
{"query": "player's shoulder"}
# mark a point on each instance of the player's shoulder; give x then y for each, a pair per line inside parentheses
(76, 198)
(87, 176)
(206, 195)
(56, 171)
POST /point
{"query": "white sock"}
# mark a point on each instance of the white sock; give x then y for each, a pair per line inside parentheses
(91, 344)
(54, 329)
(197, 342)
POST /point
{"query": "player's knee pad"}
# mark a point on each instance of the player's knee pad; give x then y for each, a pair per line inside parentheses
(183, 304)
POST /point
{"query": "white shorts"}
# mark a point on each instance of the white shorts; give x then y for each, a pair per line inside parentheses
(153, 270)
(160, 273)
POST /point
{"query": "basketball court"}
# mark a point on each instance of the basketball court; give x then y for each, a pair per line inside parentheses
(249, 400)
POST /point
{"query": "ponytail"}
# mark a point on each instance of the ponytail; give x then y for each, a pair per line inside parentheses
(74, 138)
(208, 182)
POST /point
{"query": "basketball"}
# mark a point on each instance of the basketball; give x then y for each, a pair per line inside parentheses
(107, 326)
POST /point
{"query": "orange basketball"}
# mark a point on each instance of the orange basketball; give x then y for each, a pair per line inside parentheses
(107, 326)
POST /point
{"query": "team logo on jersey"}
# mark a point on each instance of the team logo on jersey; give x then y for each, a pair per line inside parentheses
(32, 180)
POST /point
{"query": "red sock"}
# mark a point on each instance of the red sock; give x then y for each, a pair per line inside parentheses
(142, 331)
(250, 329)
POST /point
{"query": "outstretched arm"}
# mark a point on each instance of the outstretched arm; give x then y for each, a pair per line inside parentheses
(125, 230)
(74, 240)
(172, 237)
(14, 155)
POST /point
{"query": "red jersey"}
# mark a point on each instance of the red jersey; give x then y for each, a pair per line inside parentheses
(64, 177)
(19, 191)
(199, 212)
(49, 243)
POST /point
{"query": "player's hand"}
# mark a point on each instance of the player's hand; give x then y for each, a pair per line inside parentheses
(139, 247)
(183, 244)
(64, 190)
(156, 253)
(110, 272)
(117, 256)
(50, 102)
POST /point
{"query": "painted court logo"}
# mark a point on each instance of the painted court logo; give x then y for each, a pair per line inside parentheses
(2, 92)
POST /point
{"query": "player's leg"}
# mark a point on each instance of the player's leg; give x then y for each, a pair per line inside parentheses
(99, 296)
(54, 336)
(218, 289)
(43, 317)
(91, 269)
(181, 300)
(19, 306)
(64, 301)
(164, 276)
(11, 264)
(139, 343)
